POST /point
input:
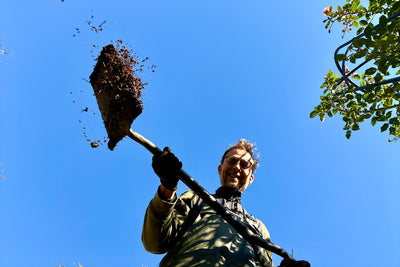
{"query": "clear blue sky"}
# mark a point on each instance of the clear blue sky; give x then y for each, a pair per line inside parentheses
(225, 70)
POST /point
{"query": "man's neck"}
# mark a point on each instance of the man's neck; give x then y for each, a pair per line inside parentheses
(230, 194)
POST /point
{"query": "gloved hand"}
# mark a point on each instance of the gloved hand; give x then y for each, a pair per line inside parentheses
(290, 263)
(166, 166)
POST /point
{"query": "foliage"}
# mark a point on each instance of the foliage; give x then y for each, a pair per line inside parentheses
(372, 99)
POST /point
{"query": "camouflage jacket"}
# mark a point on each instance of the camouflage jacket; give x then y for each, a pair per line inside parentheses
(208, 241)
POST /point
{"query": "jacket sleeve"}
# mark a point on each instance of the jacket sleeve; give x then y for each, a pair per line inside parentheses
(163, 220)
(267, 254)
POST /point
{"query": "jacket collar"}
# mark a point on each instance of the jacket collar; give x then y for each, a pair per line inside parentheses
(229, 194)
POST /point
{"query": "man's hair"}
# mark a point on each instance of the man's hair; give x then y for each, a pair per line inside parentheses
(248, 147)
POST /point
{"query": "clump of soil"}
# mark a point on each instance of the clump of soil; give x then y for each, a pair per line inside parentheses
(94, 144)
(118, 91)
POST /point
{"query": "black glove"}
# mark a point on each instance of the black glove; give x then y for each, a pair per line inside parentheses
(290, 263)
(167, 166)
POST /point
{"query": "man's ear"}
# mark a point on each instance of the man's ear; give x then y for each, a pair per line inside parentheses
(219, 169)
(251, 179)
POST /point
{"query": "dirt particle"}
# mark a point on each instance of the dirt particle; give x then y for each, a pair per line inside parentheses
(94, 144)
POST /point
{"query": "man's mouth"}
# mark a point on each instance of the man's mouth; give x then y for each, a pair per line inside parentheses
(235, 177)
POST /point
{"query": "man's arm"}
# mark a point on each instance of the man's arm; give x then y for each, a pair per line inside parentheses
(157, 221)
(166, 213)
(267, 254)
(167, 193)
(164, 219)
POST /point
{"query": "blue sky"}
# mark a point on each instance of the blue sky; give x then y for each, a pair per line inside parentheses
(225, 70)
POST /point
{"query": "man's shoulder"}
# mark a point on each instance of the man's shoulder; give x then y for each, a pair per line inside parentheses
(189, 194)
(188, 198)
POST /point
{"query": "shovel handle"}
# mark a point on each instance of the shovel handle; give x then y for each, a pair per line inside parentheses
(144, 142)
(212, 202)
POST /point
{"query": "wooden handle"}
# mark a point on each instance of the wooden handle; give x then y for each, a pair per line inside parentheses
(144, 142)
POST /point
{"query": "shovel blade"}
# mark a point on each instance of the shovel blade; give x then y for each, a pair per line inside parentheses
(117, 91)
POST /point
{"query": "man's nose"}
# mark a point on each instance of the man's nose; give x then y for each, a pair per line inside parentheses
(237, 165)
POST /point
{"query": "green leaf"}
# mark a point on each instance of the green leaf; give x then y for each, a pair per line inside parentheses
(354, 6)
(360, 30)
(383, 20)
(363, 22)
(355, 23)
(384, 127)
(355, 127)
(368, 30)
(381, 118)
(370, 71)
(373, 121)
(348, 134)
(358, 42)
(392, 130)
(383, 67)
(362, 53)
(322, 116)
(340, 57)
(313, 114)
(378, 77)
(396, 6)
(388, 115)
(388, 103)
(394, 121)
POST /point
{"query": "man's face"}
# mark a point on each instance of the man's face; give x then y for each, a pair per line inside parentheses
(232, 171)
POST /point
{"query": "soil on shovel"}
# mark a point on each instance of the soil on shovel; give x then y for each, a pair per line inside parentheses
(118, 91)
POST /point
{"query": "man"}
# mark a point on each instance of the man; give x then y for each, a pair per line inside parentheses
(189, 231)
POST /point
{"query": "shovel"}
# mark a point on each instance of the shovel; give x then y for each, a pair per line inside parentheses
(118, 94)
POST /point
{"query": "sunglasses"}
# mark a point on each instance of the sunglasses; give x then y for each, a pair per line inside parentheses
(232, 161)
